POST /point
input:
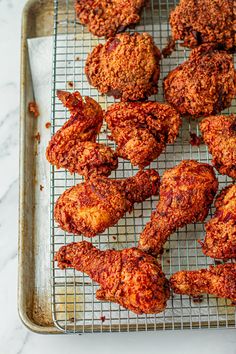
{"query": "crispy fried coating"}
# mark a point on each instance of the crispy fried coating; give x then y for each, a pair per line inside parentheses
(106, 18)
(126, 66)
(204, 21)
(219, 133)
(219, 281)
(73, 146)
(186, 193)
(141, 130)
(220, 239)
(205, 84)
(90, 208)
(129, 277)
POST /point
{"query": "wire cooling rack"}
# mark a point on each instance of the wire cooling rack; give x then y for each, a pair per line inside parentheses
(75, 308)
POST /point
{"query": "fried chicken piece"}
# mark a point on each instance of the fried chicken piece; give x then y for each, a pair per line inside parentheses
(73, 147)
(106, 18)
(142, 129)
(86, 117)
(90, 208)
(204, 21)
(129, 277)
(186, 193)
(126, 66)
(219, 133)
(219, 281)
(220, 240)
(205, 84)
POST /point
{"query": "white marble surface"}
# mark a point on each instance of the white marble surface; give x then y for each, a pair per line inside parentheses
(14, 338)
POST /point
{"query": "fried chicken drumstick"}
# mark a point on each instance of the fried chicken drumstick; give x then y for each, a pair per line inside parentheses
(220, 240)
(91, 207)
(219, 281)
(204, 21)
(219, 134)
(205, 84)
(73, 147)
(186, 193)
(129, 277)
(142, 129)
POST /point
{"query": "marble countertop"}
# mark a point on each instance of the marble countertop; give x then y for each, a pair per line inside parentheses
(14, 337)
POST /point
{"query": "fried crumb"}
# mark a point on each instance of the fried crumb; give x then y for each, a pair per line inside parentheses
(37, 137)
(103, 318)
(195, 140)
(70, 84)
(41, 187)
(33, 109)
(197, 299)
(169, 48)
(77, 58)
(48, 125)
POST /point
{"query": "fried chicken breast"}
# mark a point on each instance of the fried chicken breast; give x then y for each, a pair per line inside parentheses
(204, 21)
(141, 130)
(219, 281)
(106, 18)
(205, 84)
(73, 147)
(220, 239)
(126, 66)
(186, 193)
(90, 208)
(219, 134)
(129, 277)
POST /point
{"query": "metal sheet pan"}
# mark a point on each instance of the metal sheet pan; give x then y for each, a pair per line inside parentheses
(34, 300)
(73, 307)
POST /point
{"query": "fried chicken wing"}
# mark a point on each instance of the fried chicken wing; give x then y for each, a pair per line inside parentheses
(220, 240)
(219, 134)
(205, 84)
(186, 193)
(73, 147)
(219, 281)
(90, 208)
(204, 21)
(129, 277)
(142, 129)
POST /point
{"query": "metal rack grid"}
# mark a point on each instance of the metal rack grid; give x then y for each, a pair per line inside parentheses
(75, 308)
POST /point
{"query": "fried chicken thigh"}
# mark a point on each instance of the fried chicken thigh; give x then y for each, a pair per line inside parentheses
(220, 240)
(219, 133)
(219, 281)
(205, 84)
(186, 193)
(129, 277)
(73, 147)
(90, 208)
(142, 129)
(204, 21)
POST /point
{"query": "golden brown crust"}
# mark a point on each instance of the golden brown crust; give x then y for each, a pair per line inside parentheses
(91, 207)
(204, 21)
(205, 84)
(186, 193)
(142, 129)
(126, 67)
(129, 277)
(219, 133)
(106, 18)
(71, 148)
(220, 239)
(219, 281)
